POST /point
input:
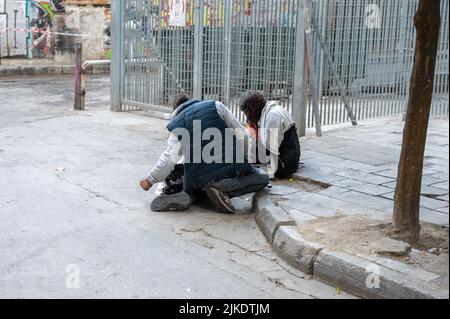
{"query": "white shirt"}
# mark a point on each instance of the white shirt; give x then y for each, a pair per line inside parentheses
(275, 122)
(172, 154)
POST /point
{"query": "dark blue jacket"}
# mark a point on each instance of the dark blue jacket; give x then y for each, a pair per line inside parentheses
(199, 174)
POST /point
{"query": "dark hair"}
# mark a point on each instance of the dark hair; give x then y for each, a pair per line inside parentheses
(252, 103)
(180, 100)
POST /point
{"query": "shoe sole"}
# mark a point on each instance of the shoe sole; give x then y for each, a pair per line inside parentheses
(177, 202)
(216, 199)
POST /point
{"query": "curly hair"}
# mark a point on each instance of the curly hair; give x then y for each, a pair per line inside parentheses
(252, 103)
(180, 100)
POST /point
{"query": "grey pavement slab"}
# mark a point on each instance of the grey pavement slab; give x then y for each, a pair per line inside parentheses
(370, 189)
(365, 177)
(317, 175)
(434, 217)
(432, 203)
(442, 185)
(366, 200)
(313, 204)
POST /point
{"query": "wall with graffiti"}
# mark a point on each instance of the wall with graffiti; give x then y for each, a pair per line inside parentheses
(50, 28)
(257, 12)
(42, 22)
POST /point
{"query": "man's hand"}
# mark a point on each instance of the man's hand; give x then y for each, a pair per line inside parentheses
(146, 185)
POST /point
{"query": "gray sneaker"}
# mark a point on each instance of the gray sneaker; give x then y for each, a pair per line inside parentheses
(170, 203)
(220, 200)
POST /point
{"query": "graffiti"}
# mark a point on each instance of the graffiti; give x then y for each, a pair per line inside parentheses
(43, 44)
(243, 11)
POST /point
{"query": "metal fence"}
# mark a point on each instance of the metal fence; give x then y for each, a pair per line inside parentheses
(371, 49)
(363, 54)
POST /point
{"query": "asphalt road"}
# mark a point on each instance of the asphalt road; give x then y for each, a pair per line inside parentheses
(74, 223)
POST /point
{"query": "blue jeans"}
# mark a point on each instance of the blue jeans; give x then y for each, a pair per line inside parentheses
(245, 184)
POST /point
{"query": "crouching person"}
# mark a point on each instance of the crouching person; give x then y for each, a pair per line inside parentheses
(198, 132)
(275, 132)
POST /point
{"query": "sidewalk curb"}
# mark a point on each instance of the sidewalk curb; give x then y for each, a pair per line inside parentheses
(348, 272)
(47, 70)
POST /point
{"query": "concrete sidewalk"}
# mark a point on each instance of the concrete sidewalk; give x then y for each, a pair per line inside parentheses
(360, 164)
(33, 67)
(333, 220)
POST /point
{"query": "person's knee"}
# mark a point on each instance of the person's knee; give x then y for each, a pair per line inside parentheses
(261, 178)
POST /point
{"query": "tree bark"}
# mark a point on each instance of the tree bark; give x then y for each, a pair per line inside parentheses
(407, 198)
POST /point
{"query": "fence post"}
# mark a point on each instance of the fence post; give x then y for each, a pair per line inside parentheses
(299, 101)
(117, 38)
(227, 60)
(198, 49)
(79, 90)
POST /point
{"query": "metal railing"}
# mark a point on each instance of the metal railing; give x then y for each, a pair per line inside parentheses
(363, 54)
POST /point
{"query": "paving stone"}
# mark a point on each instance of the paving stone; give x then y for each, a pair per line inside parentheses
(318, 176)
(391, 185)
(347, 182)
(390, 196)
(431, 190)
(282, 190)
(357, 210)
(391, 173)
(314, 204)
(426, 190)
(297, 251)
(364, 200)
(371, 189)
(300, 217)
(270, 217)
(349, 164)
(366, 156)
(442, 185)
(444, 197)
(333, 190)
(434, 217)
(365, 177)
(390, 246)
(352, 273)
(444, 210)
(407, 269)
(432, 203)
(429, 180)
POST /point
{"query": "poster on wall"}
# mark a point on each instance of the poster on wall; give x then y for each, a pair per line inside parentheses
(177, 14)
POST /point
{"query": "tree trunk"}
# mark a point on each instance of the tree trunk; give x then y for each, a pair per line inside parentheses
(409, 180)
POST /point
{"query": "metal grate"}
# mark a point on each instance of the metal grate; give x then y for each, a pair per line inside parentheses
(371, 47)
(363, 55)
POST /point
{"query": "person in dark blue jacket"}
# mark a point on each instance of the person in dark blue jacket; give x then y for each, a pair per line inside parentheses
(198, 131)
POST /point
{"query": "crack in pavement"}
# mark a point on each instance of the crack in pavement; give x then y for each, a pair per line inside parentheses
(95, 194)
(19, 124)
(255, 252)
